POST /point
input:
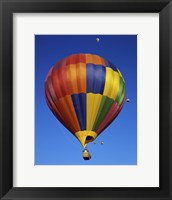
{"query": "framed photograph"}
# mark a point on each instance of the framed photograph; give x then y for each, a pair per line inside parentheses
(85, 99)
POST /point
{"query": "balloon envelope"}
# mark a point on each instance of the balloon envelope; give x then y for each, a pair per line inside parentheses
(85, 93)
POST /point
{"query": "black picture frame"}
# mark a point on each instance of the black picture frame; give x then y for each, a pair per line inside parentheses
(7, 8)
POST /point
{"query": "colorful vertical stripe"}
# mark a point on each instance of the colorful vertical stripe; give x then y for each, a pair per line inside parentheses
(95, 78)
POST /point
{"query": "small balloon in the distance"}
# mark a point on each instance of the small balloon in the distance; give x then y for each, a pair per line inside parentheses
(98, 39)
(127, 100)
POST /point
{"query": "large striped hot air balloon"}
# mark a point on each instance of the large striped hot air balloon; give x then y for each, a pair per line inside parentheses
(85, 93)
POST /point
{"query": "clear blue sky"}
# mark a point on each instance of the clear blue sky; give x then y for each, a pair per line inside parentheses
(54, 144)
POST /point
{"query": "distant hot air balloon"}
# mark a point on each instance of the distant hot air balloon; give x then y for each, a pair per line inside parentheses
(97, 39)
(127, 100)
(85, 93)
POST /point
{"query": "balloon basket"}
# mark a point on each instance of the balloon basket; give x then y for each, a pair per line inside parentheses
(86, 155)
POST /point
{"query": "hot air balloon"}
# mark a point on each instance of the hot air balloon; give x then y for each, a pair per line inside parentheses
(97, 39)
(127, 100)
(85, 93)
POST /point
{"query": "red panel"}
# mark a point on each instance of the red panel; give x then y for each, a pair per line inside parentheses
(76, 58)
(51, 101)
(59, 82)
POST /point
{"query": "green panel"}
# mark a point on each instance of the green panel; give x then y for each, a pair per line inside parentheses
(104, 108)
(122, 96)
(121, 92)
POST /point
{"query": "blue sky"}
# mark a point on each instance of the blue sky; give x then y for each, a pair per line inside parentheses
(54, 144)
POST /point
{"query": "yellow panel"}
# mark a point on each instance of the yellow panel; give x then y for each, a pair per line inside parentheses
(112, 83)
(93, 104)
(82, 137)
(121, 75)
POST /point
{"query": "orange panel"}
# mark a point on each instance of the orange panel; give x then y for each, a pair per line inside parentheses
(97, 60)
(65, 105)
(76, 78)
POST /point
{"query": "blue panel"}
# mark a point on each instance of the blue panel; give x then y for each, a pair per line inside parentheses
(79, 102)
(111, 65)
(96, 75)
